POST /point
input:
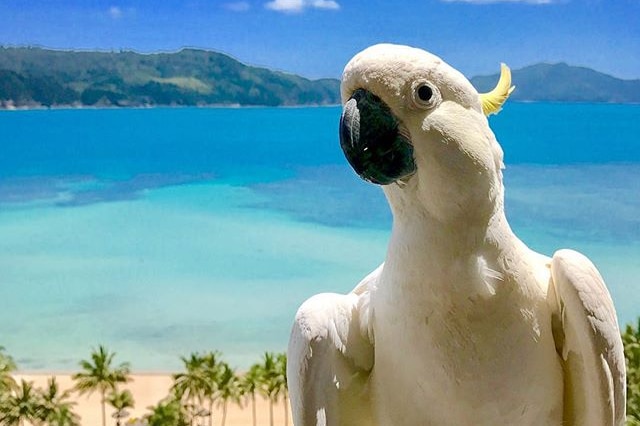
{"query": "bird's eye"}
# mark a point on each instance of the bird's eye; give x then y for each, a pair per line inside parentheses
(425, 95)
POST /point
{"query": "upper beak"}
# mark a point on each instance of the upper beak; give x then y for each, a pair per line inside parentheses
(370, 140)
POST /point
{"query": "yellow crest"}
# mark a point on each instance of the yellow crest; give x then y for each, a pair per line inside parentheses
(493, 100)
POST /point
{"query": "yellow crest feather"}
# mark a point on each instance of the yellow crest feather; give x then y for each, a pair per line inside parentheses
(493, 100)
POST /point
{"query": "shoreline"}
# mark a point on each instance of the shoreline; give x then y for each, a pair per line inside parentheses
(145, 107)
(148, 389)
(241, 106)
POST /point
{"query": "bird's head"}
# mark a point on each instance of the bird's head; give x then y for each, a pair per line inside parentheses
(418, 127)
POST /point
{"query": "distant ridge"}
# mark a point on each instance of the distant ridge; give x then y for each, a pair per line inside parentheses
(32, 77)
(565, 83)
(36, 77)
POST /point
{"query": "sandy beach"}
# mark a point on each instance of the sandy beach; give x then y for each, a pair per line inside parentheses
(147, 390)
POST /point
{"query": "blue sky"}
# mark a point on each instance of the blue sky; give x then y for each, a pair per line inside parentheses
(315, 38)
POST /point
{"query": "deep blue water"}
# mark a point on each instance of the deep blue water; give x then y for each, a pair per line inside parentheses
(125, 142)
(163, 231)
(544, 133)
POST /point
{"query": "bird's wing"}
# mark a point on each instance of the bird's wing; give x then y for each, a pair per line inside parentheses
(330, 357)
(588, 339)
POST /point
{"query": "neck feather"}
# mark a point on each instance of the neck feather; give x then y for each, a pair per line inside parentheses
(450, 257)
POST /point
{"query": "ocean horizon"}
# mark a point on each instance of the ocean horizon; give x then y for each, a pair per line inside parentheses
(160, 232)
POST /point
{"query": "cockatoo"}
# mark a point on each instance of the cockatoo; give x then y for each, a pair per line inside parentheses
(462, 324)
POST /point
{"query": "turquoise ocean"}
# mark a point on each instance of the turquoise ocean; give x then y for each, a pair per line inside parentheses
(160, 232)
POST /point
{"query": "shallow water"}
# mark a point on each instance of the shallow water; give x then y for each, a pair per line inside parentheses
(166, 231)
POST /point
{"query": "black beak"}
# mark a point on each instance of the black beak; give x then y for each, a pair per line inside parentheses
(370, 140)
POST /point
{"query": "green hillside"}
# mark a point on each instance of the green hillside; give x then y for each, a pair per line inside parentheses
(40, 77)
(565, 83)
(32, 77)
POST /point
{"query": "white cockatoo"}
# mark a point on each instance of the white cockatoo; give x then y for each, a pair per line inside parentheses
(462, 324)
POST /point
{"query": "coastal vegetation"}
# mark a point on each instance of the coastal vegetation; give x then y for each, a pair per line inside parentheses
(55, 406)
(99, 375)
(207, 381)
(21, 403)
(204, 387)
(631, 340)
(120, 401)
(7, 366)
(202, 390)
(33, 77)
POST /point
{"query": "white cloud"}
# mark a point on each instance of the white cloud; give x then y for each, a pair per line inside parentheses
(286, 5)
(115, 12)
(502, 1)
(299, 5)
(238, 6)
(325, 4)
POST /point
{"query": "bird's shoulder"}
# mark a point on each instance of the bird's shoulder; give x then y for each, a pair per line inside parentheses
(338, 322)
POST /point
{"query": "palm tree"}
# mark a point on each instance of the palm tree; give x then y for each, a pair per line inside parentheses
(23, 404)
(249, 384)
(7, 366)
(193, 385)
(211, 370)
(273, 380)
(631, 340)
(168, 412)
(228, 388)
(120, 401)
(100, 375)
(281, 374)
(64, 416)
(57, 410)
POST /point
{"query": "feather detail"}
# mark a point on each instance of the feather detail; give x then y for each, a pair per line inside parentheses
(492, 101)
(490, 277)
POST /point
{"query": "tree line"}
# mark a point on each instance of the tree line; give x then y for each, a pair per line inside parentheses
(206, 386)
(33, 77)
(206, 383)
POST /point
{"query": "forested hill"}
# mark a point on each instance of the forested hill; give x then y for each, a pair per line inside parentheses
(40, 77)
(565, 83)
(33, 77)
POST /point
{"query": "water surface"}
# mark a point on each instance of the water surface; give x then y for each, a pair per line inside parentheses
(165, 231)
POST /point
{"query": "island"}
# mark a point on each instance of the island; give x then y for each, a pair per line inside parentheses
(33, 77)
